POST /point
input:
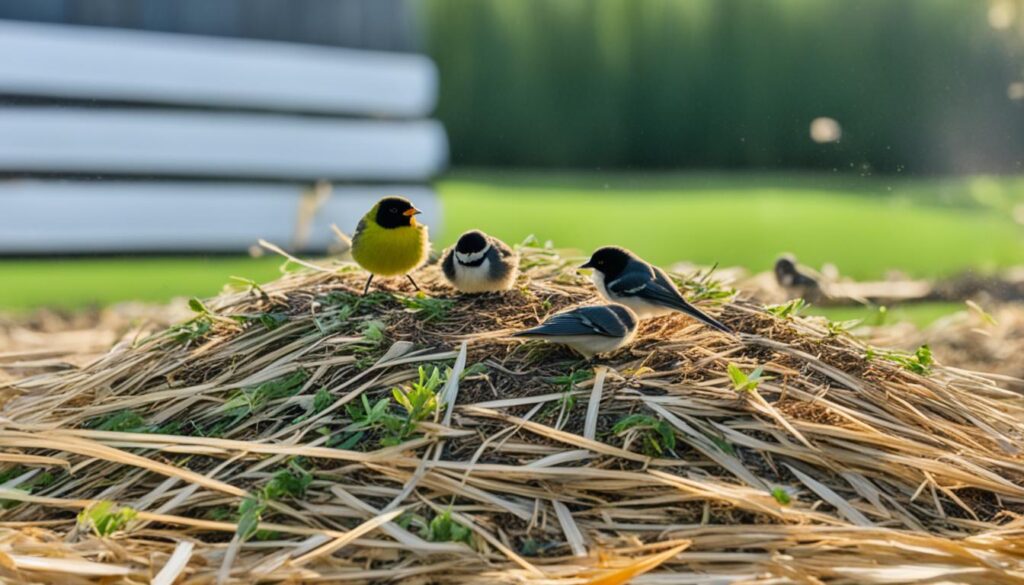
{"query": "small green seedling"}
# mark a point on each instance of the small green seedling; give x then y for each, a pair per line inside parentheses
(334, 320)
(321, 400)
(443, 529)
(122, 421)
(11, 472)
(250, 512)
(270, 321)
(787, 310)
(566, 384)
(364, 418)
(339, 308)
(837, 328)
(252, 400)
(420, 401)
(247, 401)
(781, 496)
(469, 371)
(192, 330)
(657, 436)
(28, 486)
(367, 348)
(919, 363)
(702, 287)
(198, 307)
(219, 514)
(291, 482)
(254, 286)
(743, 382)
(723, 445)
(426, 308)
(195, 328)
(105, 518)
(373, 333)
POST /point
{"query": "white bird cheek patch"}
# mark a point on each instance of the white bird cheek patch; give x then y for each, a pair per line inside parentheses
(474, 257)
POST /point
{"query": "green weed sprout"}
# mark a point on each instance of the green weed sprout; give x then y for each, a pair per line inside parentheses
(743, 382)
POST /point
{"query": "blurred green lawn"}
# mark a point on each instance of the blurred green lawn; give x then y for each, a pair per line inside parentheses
(864, 225)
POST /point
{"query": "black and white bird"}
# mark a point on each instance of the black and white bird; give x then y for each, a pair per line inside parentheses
(588, 330)
(798, 281)
(479, 263)
(624, 278)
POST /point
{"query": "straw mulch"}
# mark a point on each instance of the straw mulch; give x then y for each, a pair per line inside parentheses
(46, 340)
(843, 466)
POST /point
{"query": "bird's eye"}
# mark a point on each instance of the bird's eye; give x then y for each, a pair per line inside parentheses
(600, 262)
(393, 210)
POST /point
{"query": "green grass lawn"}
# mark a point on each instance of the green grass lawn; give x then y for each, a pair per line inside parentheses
(78, 283)
(864, 225)
(920, 314)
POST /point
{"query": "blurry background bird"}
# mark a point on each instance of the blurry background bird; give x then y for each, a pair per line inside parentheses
(798, 281)
(479, 263)
(588, 330)
(389, 242)
(624, 278)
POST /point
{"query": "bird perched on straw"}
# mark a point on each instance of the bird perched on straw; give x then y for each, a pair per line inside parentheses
(798, 281)
(624, 278)
(479, 263)
(588, 330)
(389, 241)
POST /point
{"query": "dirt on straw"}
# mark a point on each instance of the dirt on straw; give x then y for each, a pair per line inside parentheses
(842, 466)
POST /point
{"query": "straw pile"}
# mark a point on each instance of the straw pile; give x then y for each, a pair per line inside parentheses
(989, 339)
(841, 464)
(45, 340)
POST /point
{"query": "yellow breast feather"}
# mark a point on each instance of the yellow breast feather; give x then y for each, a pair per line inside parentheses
(390, 252)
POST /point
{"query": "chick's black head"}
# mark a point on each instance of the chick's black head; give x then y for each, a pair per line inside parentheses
(471, 242)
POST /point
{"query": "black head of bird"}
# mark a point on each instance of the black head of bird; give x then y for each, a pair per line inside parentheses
(610, 261)
(471, 242)
(785, 270)
(395, 212)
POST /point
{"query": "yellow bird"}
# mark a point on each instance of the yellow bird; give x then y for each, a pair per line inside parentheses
(389, 242)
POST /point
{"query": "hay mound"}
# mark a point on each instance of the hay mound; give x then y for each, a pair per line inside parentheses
(288, 405)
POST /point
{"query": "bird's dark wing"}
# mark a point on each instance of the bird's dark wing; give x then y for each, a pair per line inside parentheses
(498, 265)
(581, 321)
(631, 284)
(359, 229)
(801, 279)
(662, 291)
(448, 264)
(667, 290)
(501, 247)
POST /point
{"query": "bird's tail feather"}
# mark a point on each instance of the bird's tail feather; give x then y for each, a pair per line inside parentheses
(706, 319)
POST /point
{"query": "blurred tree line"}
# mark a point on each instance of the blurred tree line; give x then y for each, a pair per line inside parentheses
(916, 85)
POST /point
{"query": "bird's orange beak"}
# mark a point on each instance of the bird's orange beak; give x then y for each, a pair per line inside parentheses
(411, 212)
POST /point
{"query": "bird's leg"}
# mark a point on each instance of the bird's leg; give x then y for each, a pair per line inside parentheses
(366, 288)
(416, 286)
